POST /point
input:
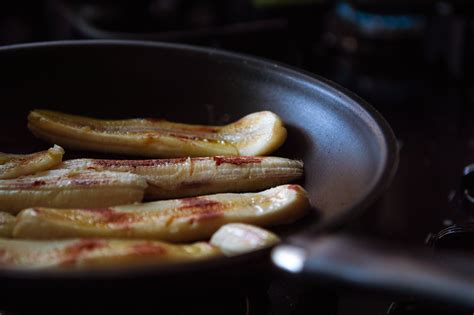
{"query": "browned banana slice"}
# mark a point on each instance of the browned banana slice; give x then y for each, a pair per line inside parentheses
(80, 253)
(178, 220)
(70, 188)
(16, 165)
(256, 134)
(185, 177)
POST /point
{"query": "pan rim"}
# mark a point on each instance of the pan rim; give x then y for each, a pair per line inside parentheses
(380, 183)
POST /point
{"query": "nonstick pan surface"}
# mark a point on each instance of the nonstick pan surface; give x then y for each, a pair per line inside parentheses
(348, 149)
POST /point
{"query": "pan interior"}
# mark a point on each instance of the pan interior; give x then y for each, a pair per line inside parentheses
(344, 148)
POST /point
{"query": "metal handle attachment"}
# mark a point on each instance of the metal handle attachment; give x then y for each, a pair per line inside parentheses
(363, 263)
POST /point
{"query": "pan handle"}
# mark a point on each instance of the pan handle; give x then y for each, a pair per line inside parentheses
(349, 260)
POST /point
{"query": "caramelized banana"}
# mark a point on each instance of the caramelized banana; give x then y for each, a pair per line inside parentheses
(178, 220)
(256, 134)
(7, 221)
(80, 253)
(69, 188)
(185, 177)
(16, 165)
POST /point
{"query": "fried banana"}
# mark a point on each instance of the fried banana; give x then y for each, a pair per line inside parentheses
(237, 238)
(256, 134)
(185, 177)
(16, 165)
(80, 253)
(86, 253)
(69, 188)
(178, 220)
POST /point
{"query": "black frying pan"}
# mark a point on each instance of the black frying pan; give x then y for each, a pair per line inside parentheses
(349, 150)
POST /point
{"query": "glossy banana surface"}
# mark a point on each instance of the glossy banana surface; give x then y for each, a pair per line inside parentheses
(16, 165)
(256, 134)
(185, 177)
(70, 188)
(79, 253)
(178, 220)
(86, 253)
(237, 238)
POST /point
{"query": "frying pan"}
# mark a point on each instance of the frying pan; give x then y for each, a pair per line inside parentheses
(349, 150)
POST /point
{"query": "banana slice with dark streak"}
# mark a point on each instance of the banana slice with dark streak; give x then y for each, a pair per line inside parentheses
(179, 220)
(185, 177)
(70, 188)
(93, 253)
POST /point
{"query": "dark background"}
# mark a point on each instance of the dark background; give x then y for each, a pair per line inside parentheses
(411, 59)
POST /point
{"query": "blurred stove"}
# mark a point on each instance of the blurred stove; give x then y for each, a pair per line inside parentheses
(409, 59)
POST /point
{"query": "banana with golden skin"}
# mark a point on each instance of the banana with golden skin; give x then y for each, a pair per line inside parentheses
(179, 220)
(255, 134)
